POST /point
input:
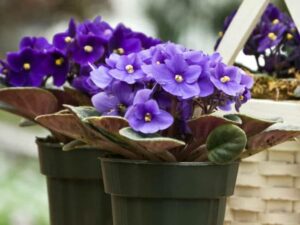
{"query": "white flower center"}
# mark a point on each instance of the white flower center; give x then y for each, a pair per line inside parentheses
(225, 79)
(178, 78)
(129, 68)
(68, 39)
(148, 117)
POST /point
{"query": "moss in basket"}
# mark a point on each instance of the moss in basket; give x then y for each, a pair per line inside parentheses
(158, 104)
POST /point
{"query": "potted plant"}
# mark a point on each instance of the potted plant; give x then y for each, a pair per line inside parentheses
(173, 159)
(38, 79)
(275, 44)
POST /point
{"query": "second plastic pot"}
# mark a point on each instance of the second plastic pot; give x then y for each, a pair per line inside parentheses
(75, 187)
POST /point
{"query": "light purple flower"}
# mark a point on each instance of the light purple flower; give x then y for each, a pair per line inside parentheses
(128, 69)
(177, 77)
(227, 79)
(145, 115)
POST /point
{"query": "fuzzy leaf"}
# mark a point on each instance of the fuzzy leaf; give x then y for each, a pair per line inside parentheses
(153, 143)
(274, 135)
(26, 123)
(83, 112)
(225, 143)
(202, 126)
(28, 102)
(71, 126)
(252, 125)
(81, 98)
(70, 96)
(110, 123)
(75, 144)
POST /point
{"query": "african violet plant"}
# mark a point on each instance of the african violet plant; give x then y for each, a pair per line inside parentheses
(32, 77)
(158, 104)
(275, 44)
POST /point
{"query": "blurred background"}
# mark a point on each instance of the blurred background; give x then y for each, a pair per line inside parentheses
(193, 23)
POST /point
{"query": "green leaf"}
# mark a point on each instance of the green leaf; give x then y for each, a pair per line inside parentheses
(274, 135)
(75, 144)
(154, 143)
(112, 124)
(202, 126)
(83, 112)
(251, 125)
(28, 102)
(225, 143)
(70, 96)
(27, 123)
(69, 125)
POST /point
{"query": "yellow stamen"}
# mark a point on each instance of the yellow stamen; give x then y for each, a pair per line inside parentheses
(178, 78)
(119, 51)
(68, 39)
(289, 36)
(26, 66)
(59, 61)
(275, 21)
(122, 107)
(242, 97)
(272, 36)
(221, 33)
(129, 68)
(88, 48)
(225, 79)
(148, 117)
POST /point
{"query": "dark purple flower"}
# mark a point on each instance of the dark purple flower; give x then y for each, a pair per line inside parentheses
(227, 79)
(177, 77)
(83, 82)
(25, 68)
(97, 27)
(145, 115)
(116, 101)
(57, 65)
(65, 39)
(128, 69)
(122, 41)
(37, 43)
(272, 37)
(88, 49)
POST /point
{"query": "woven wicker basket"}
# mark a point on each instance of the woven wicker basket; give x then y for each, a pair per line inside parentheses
(268, 184)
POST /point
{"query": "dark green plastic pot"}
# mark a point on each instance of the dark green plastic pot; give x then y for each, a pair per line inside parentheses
(145, 193)
(75, 186)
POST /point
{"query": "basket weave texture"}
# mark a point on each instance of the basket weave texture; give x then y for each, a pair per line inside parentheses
(268, 188)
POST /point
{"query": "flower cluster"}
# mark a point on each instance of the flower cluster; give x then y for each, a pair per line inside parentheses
(163, 87)
(275, 40)
(69, 56)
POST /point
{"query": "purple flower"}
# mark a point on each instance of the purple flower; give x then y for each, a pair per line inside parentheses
(83, 82)
(25, 68)
(37, 43)
(177, 77)
(89, 49)
(65, 39)
(97, 28)
(57, 65)
(227, 79)
(145, 115)
(128, 69)
(101, 77)
(116, 101)
(272, 37)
